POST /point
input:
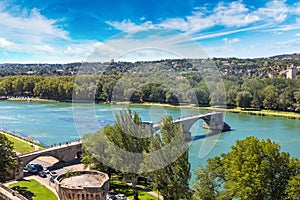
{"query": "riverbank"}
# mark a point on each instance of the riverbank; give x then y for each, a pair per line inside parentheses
(22, 145)
(249, 111)
(35, 99)
(269, 113)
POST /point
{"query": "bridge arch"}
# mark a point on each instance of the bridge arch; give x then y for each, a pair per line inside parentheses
(66, 153)
(213, 121)
(27, 160)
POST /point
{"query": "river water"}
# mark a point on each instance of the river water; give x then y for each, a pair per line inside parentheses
(51, 123)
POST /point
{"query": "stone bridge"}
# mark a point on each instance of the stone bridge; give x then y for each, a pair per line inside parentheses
(66, 153)
(212, 121)
(70, 151)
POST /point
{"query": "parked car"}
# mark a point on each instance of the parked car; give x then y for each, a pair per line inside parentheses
(52, 178)
(42, 174)
(111, 196)
(39, 167)
(53, 174)
(32, 169)
(46, 170)
(121, 197)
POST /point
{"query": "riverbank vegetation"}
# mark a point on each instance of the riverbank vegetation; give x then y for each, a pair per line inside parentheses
(22, 145)
(278, 94)
(253, 169)
(7, 155)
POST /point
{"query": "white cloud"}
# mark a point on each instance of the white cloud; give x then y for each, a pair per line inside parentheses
(128, 26)
(29, 27)
(44, 48)
(229, 42)
(275, 10)
(223, 33)
(7, 45)
(233, 14)
(289, 45)
(296, 8)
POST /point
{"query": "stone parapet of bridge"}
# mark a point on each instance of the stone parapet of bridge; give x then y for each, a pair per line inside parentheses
(66, 153)
(212, 121)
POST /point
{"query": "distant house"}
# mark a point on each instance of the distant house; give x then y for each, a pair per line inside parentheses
(291, 72)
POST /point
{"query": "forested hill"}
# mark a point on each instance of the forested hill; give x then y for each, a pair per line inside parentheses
(230, 67)
(256, 83)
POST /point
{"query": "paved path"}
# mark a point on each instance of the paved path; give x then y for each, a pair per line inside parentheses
(140, 187)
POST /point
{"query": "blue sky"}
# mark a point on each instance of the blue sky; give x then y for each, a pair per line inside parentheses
(56, 31)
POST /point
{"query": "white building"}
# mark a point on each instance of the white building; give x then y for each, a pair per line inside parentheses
(291, 72)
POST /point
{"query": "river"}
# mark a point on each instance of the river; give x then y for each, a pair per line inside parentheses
(51, 123)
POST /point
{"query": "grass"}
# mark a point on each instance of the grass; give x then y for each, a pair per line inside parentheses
(120, 187)
(21, 145)
(39, 191)
(270, 113)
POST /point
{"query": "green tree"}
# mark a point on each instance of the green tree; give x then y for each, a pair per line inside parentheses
(127, 134)
(286, 99)
(293, 189)
(172, 181)
(297, 99)
(7, 161)
(271, 97)
(254, 169)
(243, 99)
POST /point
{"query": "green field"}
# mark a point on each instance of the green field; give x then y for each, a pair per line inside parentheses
(20, 145)
(125, 189)
(37, 190)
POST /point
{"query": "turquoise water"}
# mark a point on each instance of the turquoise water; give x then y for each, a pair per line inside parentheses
(51, 123)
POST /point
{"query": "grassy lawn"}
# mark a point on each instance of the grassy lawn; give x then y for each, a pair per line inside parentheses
(120, 187)
(270, 113)
(33, 187)
(19, 145)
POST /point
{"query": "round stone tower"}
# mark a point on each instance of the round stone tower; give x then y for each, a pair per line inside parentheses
(82, 185)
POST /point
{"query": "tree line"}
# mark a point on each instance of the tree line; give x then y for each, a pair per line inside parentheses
(267, 93)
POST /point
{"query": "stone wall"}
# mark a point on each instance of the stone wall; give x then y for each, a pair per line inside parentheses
(97, 192)
(9, 194)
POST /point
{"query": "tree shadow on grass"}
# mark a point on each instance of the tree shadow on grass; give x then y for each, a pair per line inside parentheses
(24, 191)
(121, 187)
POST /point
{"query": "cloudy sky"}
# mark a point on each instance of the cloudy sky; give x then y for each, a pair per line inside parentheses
(57, 31)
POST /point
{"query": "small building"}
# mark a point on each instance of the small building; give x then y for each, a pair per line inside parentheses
(82, 185)
(291, 72)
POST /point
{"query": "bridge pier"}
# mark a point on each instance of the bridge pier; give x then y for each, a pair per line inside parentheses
(19, 173)
(212, 121)
(215, 122)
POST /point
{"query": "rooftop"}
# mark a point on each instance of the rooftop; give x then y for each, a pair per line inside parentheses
(84, 180)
